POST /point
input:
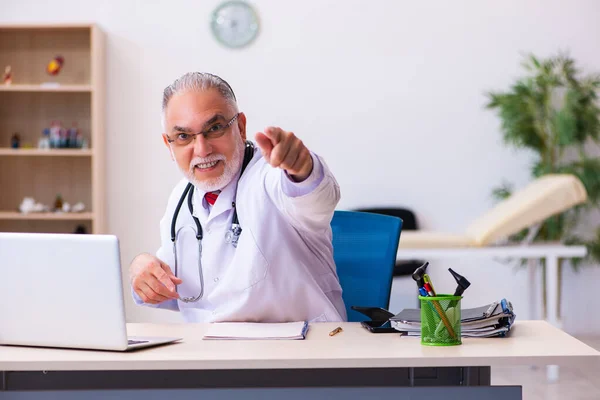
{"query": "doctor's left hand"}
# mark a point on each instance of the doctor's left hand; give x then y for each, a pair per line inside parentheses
(284, 150)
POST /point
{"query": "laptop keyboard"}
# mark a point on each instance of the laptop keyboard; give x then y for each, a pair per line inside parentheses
(130, 341)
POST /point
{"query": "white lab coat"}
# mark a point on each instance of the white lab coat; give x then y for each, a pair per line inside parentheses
(282, 269)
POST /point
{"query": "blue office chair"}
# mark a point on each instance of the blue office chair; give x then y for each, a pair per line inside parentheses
(364, 251)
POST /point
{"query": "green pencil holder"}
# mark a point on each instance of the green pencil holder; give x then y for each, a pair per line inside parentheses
(440, 320)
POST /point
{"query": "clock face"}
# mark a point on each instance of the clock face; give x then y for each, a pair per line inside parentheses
(234, 24)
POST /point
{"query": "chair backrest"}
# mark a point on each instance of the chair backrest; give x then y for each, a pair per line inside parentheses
(364, 250)
(408, 217)
(409, 223)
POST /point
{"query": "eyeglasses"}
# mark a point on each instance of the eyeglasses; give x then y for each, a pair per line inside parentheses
(214, 132)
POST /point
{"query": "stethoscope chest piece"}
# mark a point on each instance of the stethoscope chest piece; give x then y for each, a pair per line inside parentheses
(233, 235)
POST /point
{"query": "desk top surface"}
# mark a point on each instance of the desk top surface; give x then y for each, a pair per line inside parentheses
(530, 343)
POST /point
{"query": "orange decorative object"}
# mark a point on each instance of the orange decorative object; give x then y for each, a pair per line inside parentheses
(7, 77)
(55, 65)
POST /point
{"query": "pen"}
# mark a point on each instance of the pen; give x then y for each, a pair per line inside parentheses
(335, 331)
(444, 318)
(428, 290)
(427, 280)
(491, 309)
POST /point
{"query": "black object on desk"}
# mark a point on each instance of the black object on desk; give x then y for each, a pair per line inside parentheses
(380, 319)
(461, 281)
(379, 326)
(419, 274)
(375, 313)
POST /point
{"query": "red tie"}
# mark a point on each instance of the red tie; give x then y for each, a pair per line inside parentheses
(211, 197)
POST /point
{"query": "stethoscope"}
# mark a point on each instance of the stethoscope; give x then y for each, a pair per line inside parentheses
(232, 236)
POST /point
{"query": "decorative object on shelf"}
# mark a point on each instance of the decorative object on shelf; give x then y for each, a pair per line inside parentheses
(58, 203)
(28, 205)
(15, 141)
(44, 142)
(75, 139)
(78, 207)
(80, 229)
(55, 65)
(55, 128)
(234, 24)
(7, 76)
(72, 136)
(57, 137)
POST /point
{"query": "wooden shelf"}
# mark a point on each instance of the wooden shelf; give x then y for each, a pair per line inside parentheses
(15, 215)
(47, 152)
(74, 98)
(42, 88)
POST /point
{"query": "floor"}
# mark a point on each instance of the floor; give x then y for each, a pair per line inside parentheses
(573, 384)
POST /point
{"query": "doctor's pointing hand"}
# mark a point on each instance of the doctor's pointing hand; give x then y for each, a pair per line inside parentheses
(246, 233)
(284, 150)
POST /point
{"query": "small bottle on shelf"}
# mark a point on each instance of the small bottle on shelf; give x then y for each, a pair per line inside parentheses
(15, 141)
(58, 203)
(63, 136)
(72, 134)
(44, 142)
(54, 135)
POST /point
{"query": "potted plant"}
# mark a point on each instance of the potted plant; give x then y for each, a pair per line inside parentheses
(553, 112)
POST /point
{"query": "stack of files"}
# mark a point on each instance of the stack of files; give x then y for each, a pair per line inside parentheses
(257, 331)
(492, 320)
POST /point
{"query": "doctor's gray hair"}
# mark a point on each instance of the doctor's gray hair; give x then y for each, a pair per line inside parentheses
(199, 82)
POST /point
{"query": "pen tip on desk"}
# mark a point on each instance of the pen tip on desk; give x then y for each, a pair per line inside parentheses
(335, 331)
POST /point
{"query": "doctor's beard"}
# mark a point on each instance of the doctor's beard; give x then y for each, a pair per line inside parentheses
(231, 168)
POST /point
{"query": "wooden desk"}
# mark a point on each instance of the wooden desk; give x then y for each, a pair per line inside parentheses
(351, 360)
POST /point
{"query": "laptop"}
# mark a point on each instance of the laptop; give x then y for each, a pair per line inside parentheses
(66, 291)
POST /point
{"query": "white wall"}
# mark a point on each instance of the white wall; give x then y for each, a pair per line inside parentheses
(391, 93)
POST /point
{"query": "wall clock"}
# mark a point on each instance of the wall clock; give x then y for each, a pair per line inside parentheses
(234, 24)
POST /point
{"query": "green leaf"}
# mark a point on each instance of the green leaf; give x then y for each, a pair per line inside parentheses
(539, 169)
(575, 240)
(502, 192)
(588, 172)
(594, 248)
(565, 126)
(531, 63)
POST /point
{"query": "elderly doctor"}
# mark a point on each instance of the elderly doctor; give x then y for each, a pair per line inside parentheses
(246, 234)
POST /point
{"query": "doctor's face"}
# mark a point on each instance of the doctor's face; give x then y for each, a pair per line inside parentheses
(205, 135)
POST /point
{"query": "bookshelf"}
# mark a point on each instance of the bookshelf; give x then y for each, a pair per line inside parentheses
(30, 104)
